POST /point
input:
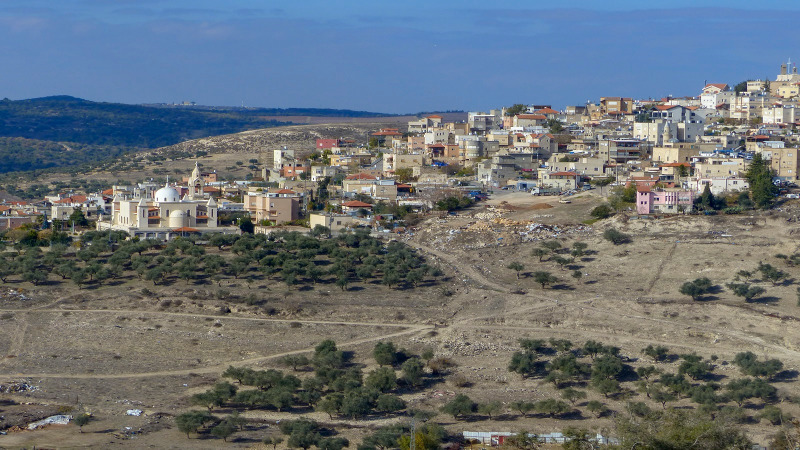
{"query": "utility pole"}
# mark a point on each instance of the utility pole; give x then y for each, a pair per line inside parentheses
(412, 443)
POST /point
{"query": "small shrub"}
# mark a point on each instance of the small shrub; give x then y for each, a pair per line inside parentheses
(616, 237)
(459, 380)
(295, 325)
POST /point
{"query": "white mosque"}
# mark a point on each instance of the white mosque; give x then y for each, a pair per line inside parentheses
(166, 215)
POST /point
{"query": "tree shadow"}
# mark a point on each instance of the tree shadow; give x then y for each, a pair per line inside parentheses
(562, 287)
(765, 300)
(504, 417)
(786, 375)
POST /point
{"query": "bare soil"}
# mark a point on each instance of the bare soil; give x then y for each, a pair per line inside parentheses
(110, 349)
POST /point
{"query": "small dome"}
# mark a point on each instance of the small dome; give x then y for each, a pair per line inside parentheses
(177, 213)
(167, 194)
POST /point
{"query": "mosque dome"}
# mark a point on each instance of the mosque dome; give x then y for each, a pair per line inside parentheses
(167, 194)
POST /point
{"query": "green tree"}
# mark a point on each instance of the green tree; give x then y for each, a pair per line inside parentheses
(523, 363)
(460, 405)
(552, 407)
(544, 278)
(303, 433)
(745, 290)
(572, 395)
(78, 218)
(274, 441)
(295, 361)
(523, 440)
(657, 353)
(385, 353)
(389, 403)
(490, 409)
(770, 273)
(540, 253)
(332, 443)
(616, 237)
(81, 420)
(762, 189)
(515, 109)
(516, 267)
(246, 225)
(356, 403)
(596, 407)
(382, 379)
(697, 288)
(223, 430)
(190, 422)
(680, 429)
(413, 370)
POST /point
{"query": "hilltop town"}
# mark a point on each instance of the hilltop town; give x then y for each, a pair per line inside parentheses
(622, 269)
(670, 149)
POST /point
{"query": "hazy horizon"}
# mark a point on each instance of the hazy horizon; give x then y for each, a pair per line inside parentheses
(388, 58)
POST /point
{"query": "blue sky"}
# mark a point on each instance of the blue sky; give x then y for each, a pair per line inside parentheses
(388, 56)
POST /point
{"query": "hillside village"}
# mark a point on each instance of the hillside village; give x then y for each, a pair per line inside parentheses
(482, 279)
(669, 149)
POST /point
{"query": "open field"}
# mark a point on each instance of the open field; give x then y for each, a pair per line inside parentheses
(109, 349)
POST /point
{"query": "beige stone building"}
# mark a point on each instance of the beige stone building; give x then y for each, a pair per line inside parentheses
(677, 153)
(721, 167)
(278, 206)
(166, 215)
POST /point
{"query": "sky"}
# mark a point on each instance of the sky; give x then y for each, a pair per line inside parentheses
(387, 56)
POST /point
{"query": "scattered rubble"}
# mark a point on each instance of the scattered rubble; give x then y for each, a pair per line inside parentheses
(17, 387)
(59, 419)
(13, 295)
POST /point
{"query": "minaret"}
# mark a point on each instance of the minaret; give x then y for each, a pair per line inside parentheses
(666, 136)
(196, 183)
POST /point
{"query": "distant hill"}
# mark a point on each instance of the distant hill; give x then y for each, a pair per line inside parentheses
(40, 132)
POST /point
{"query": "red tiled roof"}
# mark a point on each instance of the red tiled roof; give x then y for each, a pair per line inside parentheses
(686, 164)
(665, 107)
(531, 116)
(642, 188)
(434, 117)
(73, 199)
(721, 86)
(563, 174)
(356, 204)
(108, 192)
(210, 189)
(286, 191)
(546, 111)
(186, 230)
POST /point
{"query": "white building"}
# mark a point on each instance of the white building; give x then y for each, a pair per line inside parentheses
(167, 215)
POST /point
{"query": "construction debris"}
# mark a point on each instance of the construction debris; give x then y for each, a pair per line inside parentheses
(59, 419)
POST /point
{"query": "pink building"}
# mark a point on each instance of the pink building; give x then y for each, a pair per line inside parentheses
(665, 201)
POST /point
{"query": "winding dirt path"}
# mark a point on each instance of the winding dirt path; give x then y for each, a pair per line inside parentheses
(219, 367)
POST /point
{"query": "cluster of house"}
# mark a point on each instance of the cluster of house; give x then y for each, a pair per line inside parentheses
(670, 148)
